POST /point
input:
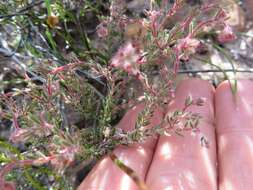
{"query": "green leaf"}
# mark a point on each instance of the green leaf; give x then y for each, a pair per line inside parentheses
(233, 83)
(51, 40)
(48, 6)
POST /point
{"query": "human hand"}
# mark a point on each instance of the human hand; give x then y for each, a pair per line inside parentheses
(174, 162)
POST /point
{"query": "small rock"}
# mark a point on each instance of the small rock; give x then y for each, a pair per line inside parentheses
(138, 6)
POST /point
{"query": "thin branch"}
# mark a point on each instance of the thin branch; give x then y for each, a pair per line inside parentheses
(194, 71)
(129, 171)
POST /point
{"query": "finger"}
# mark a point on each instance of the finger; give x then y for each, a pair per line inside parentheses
(182, 162)
(107, 176)
(234, 116)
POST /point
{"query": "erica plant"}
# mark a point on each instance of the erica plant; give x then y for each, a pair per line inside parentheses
(67, 105)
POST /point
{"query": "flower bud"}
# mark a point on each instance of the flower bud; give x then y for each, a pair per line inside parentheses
(52, 21)
(227, 35)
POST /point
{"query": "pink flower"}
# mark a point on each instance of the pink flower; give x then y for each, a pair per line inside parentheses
(227, 35)
(128, 58)
(188, 44)
(102, 30)
(64, 158)
(186, 47)
(153, 15)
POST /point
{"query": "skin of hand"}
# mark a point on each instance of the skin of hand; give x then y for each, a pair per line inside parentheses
(182, 163)
(234, 122)
(107, 176)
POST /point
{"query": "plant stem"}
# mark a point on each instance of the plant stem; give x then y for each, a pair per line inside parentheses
(193, 71)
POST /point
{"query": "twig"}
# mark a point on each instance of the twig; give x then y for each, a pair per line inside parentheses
(215, 71)
(194, 71)
(130, 172)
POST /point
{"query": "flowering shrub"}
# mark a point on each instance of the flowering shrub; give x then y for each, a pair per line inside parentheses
(91, 83)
